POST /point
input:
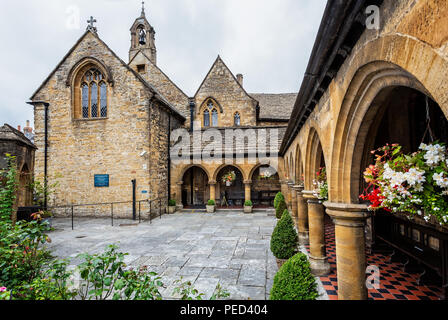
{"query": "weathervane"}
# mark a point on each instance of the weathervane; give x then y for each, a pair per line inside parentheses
(90, 27)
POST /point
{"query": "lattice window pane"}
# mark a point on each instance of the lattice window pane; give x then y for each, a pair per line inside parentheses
(94, 100)
(237, 119)
(103, 100)
(206, 118)
(85, 101)
(215, 118)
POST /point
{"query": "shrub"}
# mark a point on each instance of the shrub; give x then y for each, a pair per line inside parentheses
(279, 196)
(172, 203)
(248, 203)
(284, 238)
(211, 202)
(281, 207)
(294, 281)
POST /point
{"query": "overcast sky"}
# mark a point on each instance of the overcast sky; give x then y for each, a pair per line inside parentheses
(268, 41)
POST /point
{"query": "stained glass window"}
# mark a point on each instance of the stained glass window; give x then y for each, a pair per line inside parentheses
(103, 100)
(237, 119)
(94, 95)
(94, 100)
(85, 101)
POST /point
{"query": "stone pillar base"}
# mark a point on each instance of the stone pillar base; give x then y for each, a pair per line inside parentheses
(304, 238)
(319, 266)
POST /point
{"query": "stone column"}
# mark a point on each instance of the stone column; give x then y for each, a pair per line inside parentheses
(294, 203)
(302, 218)
(350, 220)
(288, 196)
(284, 188)
(178, 198)
(318, 255)
(247, 190)
(212, 185)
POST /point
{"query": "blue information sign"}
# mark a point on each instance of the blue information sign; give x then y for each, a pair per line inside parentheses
(101, 180)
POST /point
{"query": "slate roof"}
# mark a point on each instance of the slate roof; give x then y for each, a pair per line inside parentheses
(11, 134)
(246, 146)
(275, 106)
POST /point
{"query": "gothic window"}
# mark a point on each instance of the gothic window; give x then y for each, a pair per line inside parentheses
(93, 97)
(237, 119)
(211, 115)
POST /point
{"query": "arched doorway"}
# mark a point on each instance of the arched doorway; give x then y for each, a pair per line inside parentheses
(408, 117)
(195, 189)
(230, 194)
(265, 186)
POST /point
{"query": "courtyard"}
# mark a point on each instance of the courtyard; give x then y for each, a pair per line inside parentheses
(228, 247)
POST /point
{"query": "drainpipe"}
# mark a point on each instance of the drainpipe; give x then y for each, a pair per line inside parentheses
(46, 105)
(192, 107)
(169, 156)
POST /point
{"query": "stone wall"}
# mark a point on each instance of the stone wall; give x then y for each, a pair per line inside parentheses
(79, 149)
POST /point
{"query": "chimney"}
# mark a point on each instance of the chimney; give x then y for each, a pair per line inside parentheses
(240, 78)
(19, 128)
(28, 129)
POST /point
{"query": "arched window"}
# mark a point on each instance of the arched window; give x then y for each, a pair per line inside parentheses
(237, 119)
(93, 95)
(211, 115)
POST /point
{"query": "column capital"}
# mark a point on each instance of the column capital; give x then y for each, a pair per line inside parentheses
(179, 183)
(309, 195)
(290, 184)
(347, 214)
(212, 182)
(298, 188)
(247, 182)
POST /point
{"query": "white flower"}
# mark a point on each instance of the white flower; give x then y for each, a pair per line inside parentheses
(414, 176)
(423, 147)
(419, 212)
(418, 188)
(427, 218)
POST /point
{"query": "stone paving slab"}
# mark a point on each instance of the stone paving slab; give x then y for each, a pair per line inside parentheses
(229, 248)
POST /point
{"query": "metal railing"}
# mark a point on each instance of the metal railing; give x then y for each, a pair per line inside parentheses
(132, 210)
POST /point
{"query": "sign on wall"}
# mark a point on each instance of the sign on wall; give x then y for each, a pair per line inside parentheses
(101, 180)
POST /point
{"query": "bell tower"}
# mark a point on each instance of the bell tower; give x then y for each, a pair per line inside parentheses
(143, 38)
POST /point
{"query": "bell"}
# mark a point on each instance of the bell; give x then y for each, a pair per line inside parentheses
(142, 37)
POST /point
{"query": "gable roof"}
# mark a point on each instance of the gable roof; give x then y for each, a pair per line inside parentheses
(153, 90)
(219, 60)
(9, 133)
(275, 106)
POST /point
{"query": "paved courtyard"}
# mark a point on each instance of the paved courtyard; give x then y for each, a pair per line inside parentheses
(229, 248)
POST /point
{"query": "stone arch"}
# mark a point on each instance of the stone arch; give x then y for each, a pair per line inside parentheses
(215, 102)
(298, 165)
(195, 185)
(85, 62)
(188, 167)
(218, 169)
(314, 154)
(358, 112)
(254, 168)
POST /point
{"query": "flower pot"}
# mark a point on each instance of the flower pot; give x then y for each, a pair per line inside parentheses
(228, 183)
(248, 209)
(210, 209)
(172, 209)
(281, 262)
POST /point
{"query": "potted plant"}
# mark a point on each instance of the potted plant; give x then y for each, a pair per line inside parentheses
(171, 206)
(228, 178)
(414, 184)
(321, 185)
(284, 239)
(248, 205)
(211, 206)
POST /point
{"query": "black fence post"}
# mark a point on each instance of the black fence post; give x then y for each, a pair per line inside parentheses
(150, 213)
(72, 219)
(160, 208)
(134, 209)
(139, 211)
(112, 213)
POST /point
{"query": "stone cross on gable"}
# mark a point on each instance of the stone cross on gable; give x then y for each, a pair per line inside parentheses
(91, 21)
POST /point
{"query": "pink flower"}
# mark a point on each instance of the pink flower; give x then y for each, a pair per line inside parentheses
(2, 289)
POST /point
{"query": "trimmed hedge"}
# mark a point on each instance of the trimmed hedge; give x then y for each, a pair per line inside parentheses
(294, 281)
(284, 238)
(277, 199)
(211, 202)
(281, 207)
(172, 203)
(248, 203)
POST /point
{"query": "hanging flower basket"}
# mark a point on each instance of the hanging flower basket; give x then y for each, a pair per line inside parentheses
(228, 178)
(415, 184)
(320, 185)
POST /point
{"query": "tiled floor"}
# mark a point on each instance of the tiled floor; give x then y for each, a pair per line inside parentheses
(395, 284)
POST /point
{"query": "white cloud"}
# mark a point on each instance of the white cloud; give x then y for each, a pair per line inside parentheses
(268, 41)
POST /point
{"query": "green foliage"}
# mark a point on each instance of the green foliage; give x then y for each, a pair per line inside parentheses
(211, 202)
(281, 207)
(279, 196)
(294, 281)
(4, 294)
(40, 190)
(172, 203)
(284, 237)
(248, 203)
(8, 189)
(186, 291)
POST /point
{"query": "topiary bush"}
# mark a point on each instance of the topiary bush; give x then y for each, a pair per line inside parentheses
(294, 281)
(281, 207)
(211, 202)
(284, 238)
(172, 203)
(248, 203)
(277, 199)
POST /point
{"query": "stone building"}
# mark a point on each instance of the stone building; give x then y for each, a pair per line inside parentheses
(365, 87)
(15, 143)
(103, 125)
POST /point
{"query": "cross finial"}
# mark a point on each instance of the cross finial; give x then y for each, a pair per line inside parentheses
(143, 8)
(91, 21)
